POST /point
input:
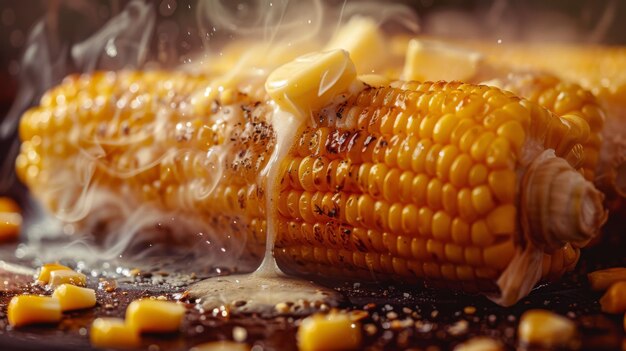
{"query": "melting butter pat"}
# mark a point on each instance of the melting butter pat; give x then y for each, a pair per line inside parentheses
(363, 40)
(46, 269)
(33, 309)
(113, 333)
(73, 297)
(310, 82)
(434, 61)
(333, 331)
(62, 276)
(154, 316)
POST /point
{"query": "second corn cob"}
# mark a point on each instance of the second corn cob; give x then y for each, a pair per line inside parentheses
(448, 182)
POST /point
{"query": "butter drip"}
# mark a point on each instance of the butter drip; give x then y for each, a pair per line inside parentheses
(297, 89)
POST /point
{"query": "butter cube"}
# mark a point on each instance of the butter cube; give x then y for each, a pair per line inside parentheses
(311, 81)
(364, 41)
(67, 277)
(33, 309)
(113, 333)
(333, 331)
(73, 297)
(434, 61)
(148, 315)
(46, 269)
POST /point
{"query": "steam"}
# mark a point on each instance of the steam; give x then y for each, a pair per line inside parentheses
(274, 28)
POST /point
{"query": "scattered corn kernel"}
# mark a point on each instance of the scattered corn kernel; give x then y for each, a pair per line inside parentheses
(603, 279)
(363, 40)
(33, 309)
(60, 277)
(480, 343)
(224, 345)
(154, 315)
(10, 219)
(311, 81)
(333, 331)
(541, 327)
(46, 269)
(433, 61)
(73, 297)
(614, 300)
(113, 333)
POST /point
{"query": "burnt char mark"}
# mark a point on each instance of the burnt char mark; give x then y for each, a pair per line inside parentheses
(337, 142)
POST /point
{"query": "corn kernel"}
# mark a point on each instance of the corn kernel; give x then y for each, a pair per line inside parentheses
(113, 333)
(603, 279)
(614, 300)
(363, 40)
(154, 316)
(33, 309)
(46, 269)
(62, 276)
(223, 345)
(333, 331)
(432, 61)
(480, 343)
(10, 219)
(73, 297)
(541, 327)
(311, 81)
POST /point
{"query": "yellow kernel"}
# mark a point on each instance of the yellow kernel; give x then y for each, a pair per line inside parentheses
(426, 126)
(503, 184)
(502, 220)
(10, 219)
(460, 231)
(33, 309)
(603, 279)
(147, 315)
(477, 175)
(614, 300)
(410, 219)
(431, 160)
(334, 331)
(46, 269)
(419, 155)
(441, 225)
(464, 205)
(448, 198)
(73, 297)
(419, 187)
(443, 129)
(424, 218)
(469, 137)
(499, 153)
(454, 253)
(482, 199)
(223, 345)
(547, 329)
(478, 151)
(459, 170)
(514, 133)
(498, 256)
(480, 343)
(113, 333)
(447, 156)
(433, 193)
(60, 277)
(480, 233)
(474, 256)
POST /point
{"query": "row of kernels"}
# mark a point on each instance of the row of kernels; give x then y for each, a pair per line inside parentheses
(386, 263)
(496, 256)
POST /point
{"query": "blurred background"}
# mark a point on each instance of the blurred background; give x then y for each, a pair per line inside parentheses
(165, 33)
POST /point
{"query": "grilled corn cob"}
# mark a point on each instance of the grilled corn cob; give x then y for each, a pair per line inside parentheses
(449, 182)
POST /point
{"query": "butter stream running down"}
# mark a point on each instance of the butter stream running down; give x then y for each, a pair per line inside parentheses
(449, 182)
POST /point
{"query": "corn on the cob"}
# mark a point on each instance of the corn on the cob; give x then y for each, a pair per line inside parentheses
(447, 182)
